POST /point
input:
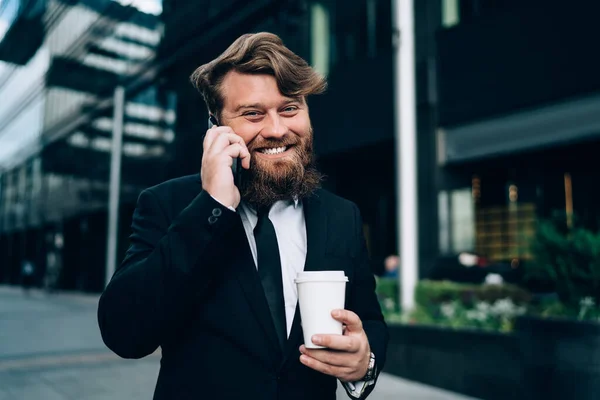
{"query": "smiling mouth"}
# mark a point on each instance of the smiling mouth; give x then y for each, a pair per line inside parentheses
(274, 150)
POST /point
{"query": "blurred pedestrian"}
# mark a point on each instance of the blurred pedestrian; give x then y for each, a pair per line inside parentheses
(391, 264)
(52, 274)
(27, 275)
(189, 282)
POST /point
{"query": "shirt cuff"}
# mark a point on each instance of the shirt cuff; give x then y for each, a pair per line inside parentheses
(230, 207)
(357, 388)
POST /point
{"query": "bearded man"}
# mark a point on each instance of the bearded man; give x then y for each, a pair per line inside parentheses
(209, 275)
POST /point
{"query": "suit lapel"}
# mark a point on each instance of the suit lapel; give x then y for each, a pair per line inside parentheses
(252, 287)
(316, 237)
(250, 283)
(316, 233)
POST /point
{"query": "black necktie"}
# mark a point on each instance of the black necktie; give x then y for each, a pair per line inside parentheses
(269, 270)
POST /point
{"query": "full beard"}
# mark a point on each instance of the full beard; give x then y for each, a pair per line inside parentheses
(269, 181)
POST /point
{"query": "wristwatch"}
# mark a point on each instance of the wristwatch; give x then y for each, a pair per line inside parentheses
(371, 369)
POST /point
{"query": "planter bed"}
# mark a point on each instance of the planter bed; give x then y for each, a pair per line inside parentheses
(561, 358)
(543, 359)
(482, 364)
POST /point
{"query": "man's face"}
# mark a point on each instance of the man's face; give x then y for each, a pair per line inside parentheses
(277, 131)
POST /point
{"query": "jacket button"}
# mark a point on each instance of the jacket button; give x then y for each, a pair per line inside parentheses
(212, 219)
(217, 212)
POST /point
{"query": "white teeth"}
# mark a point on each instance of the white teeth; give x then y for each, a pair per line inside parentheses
(276, 150)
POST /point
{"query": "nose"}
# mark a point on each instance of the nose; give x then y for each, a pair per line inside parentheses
(275, 126)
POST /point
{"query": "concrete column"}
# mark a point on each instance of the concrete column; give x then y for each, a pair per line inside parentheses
(115, 182)
(406, 148)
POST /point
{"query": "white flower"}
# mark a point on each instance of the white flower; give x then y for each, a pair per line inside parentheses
(448, 309)
(494, 279)
(389, 304)
(587, 302)
(483, 307)
(476, 315)
(585, 305)
(504, 307)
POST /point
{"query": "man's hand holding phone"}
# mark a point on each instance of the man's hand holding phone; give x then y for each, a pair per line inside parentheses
(221, 147)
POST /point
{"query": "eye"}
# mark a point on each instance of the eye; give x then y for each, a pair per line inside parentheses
(290, 109)
(251, 114)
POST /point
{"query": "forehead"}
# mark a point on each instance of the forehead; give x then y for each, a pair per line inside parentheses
(238, 88)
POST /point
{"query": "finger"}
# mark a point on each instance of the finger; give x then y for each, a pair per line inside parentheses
(348, 318)
(209, 138)
(335, 358)
(246, 159)
(337, 342)
(236, 150)
(223, 140)
(215, 132)
(338, 372)
(223, 130)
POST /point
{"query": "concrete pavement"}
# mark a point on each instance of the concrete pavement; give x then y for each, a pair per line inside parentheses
(51, 349)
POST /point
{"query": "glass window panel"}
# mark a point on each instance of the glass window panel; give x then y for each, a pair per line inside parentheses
(463, 220)
(320, 38)
(450, 13)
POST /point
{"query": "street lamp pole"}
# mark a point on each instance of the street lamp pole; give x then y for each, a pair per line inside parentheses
(115, 182)
(406, 148)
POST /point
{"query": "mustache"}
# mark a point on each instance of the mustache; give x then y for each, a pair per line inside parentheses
(269, 143)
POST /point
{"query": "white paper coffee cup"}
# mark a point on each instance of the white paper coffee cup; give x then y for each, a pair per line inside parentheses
(319, 293)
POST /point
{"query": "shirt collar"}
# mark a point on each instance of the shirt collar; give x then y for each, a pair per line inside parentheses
(295, 202)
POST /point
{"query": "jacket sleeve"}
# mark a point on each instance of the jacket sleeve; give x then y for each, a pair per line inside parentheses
(167, 268)
(365, 304)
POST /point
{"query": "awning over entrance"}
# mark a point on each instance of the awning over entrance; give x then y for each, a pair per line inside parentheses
(563, 123)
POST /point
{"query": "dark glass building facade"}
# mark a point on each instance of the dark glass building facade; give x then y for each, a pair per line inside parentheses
(518, 121)
(507, 117)
(56, 134)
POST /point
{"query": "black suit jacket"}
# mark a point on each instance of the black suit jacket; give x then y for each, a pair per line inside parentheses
(188, 285)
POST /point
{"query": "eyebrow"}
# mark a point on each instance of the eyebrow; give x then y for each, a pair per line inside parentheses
(260, 105)
(244, 106)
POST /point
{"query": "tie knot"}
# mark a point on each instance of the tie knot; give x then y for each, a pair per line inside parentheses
(263, 218)
(263, 212)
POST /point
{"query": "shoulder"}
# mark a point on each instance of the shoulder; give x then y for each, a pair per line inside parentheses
(336, 205)
(328, 197)
(343, 220)
(175, 194)
(182, 183)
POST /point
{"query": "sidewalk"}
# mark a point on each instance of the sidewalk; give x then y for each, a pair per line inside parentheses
(50, 349)
(390, 387)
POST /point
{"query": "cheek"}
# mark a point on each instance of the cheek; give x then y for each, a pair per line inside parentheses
(300, 128)
(247, 136)
(246, 132)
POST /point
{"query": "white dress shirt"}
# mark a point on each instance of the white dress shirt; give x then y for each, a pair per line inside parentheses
(290, 227)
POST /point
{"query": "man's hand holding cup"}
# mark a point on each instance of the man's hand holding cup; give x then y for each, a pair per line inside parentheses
(334, 340)
(345, 356)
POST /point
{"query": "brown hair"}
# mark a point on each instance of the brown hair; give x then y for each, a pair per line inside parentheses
(257, 53)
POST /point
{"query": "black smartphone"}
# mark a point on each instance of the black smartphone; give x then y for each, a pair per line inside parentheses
(236, 167)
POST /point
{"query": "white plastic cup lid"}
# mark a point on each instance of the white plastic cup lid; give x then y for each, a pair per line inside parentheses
(321, 276)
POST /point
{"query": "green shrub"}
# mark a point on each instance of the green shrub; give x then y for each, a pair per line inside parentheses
(457, 305)
(387, 294)
(469, 306)
(570, 258)
(586, 310)
(432, 293)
